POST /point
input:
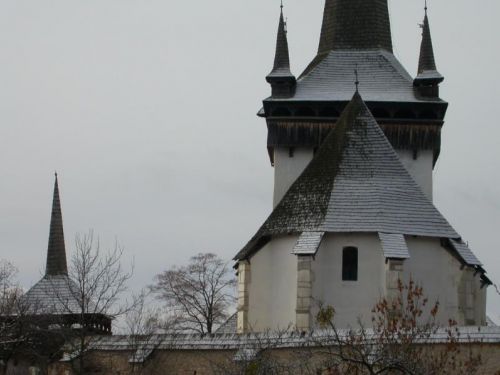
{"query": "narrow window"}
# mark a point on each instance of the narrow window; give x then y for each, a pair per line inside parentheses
(350, 264)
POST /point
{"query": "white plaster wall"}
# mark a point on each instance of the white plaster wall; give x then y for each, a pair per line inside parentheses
(351, 299)
(440, 274)
(420, 169)
(288, 168)
(273, 286)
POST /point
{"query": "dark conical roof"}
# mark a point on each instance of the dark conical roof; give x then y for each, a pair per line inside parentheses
(355, 183)
(56, 252)
(355, 24)
(281, 66)
(427, 64)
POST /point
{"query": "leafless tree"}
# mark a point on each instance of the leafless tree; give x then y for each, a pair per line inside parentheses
(97, 283)
(398, 342)
(10, 291)
(199, 294)
(22, 332)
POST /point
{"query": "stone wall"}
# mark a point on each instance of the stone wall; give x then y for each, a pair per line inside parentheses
(208, 362)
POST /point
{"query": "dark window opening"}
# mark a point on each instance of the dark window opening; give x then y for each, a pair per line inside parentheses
(380, 113)
(282, 112)
(329, 112)
(404, 114)
(350, 264)
(305, 112)
(428, 115)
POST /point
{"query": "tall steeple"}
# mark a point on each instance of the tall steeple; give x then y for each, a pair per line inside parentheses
(428, 77)
(355, 24)
(281, 78)
(56, 252)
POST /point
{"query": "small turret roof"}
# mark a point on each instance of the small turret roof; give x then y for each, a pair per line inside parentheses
(281, 66)
(355, 183)
(427, 63)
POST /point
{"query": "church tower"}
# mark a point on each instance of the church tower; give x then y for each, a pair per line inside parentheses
(355, 35)
(56, 299)
(353, 141)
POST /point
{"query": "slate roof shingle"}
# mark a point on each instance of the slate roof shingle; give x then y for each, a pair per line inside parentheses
(394, 246)
(382, 79)
(53, 294)
(308, 243)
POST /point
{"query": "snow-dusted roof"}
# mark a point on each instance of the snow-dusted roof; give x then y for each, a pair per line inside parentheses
(355, 183)
(56, 295)
(382, 79)
(308, 243)
(483, 335)
(465, 253)
(394, 245)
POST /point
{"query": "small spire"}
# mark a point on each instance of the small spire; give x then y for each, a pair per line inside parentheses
(281, 78)
(282, 57)
(426, 61)
(428, 77)
(357, 79)
(56, 252)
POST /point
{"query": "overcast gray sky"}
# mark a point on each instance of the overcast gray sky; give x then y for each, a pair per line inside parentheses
(146, 108)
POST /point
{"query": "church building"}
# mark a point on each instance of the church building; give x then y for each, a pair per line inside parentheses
(353, 142)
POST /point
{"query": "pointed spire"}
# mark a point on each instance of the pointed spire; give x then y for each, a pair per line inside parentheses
(355, 24)
(281, 78)
(426, 62)
(282, 57)
(56, 252)
(428, 74)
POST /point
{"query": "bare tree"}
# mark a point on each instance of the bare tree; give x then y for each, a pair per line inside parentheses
(148, 330)
(93, 295)
(399, 341)
(199, 294)
(10, 291)
(22, 332)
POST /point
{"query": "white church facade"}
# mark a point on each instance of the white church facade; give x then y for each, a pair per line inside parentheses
(353, 209)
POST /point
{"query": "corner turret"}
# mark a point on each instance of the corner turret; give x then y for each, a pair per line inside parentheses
(281, 79)
(428, 78)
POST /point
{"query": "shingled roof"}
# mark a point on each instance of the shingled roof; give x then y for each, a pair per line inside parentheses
(356, 34)
(55, 293)
(355, 24)
(56, 252)
(355, 183)
(427, 64)
(382, 77)
(281, 66)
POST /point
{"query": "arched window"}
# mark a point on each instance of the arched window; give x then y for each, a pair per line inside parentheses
(350, 264)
